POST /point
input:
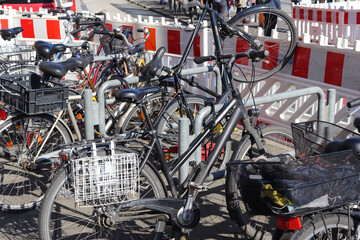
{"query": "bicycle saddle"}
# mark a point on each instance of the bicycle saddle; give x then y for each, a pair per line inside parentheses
(59, 69)
(341, 145)
(154, 67)
(9, 33)
(134, 94)
(48, 50)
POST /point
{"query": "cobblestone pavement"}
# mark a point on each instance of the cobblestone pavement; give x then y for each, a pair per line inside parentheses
(214, 224)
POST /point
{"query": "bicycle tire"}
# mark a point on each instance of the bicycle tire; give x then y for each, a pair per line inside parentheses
(56, 202)
(168, 130)
(23, 183)
(280, 49)
(314, 227)
(277, 140)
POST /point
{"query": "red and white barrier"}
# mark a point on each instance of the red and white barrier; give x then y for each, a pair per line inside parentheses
(334, 65)
(331, 21)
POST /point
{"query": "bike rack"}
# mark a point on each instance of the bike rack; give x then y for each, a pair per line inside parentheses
(98, 107)
(203, 113)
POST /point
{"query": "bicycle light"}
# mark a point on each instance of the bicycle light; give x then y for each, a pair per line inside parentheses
(288, 223)
(3, 114)
(63, 156)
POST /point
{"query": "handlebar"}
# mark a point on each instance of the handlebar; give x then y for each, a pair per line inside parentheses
(196, 3)
(252, 54)
(353, 103)
(132, 48)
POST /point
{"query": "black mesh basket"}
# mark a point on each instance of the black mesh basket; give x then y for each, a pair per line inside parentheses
(111, 45)
(310, 137)
(290, 186)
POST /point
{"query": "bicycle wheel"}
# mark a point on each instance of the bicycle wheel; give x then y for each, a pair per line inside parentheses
(336, 225)
(277, 140)
(168, 131)
(60, 217)
(154, 103)
(258, 23)
(22, 182)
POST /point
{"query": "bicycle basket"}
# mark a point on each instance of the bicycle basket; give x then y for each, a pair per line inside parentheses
(17, 54)
(310, 137)
(298, 186)
(28, 93)
(106, 179)
(115, 46)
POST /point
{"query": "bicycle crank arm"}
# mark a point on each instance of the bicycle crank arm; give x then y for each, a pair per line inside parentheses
(169, 206)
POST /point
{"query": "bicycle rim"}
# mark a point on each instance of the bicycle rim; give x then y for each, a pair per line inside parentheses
(23, 183)
(271, 30)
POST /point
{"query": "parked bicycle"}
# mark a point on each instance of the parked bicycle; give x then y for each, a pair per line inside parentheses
(147, 204)
(314, 195)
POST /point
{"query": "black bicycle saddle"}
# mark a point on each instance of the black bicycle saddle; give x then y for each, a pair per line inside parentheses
(154, 67)
(134, 94)
(59, 69)
(48, 50)
(9, 33)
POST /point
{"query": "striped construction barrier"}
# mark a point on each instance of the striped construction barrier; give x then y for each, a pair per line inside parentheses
(318, 20)
(326, 64)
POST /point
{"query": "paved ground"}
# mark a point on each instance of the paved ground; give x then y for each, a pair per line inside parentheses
(215, 223)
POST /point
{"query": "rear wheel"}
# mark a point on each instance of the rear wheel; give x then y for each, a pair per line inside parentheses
(332, 226)
(277, 140)
(23, 182)
(260, 23)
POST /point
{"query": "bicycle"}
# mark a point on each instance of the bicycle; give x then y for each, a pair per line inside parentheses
(313, 196)
(154, 204)
(24, 135)
(167, 122)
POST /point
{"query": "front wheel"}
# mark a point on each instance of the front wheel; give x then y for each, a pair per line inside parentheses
(270, 29)
(61, 217)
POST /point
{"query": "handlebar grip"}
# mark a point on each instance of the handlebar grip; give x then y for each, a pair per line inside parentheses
(353, 103)
(199, 60)
(56, 10)
(140, 30)
(101, 32)
(75, 31)
(253, 54)
(64, 18)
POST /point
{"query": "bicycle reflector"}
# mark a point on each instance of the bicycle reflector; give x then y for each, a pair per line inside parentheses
(63, 156)
(288, 223)
(3, 114)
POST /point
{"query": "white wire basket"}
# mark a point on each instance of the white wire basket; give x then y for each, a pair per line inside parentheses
(104, 180)
(14, 53)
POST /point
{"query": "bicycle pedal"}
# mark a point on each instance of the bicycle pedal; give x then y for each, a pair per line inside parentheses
(199, 188)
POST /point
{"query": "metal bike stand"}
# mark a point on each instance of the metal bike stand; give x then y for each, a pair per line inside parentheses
(132, 80)
(91, 114)
(184, 142)
(203, 113)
